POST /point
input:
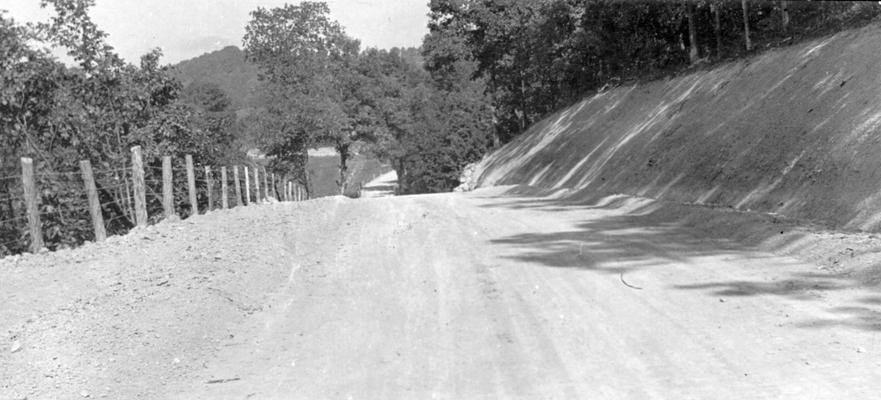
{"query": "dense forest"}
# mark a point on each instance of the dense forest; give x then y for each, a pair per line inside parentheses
(486, 71)
(533, 57)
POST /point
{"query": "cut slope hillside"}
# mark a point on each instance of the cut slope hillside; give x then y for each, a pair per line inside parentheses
(794, 131)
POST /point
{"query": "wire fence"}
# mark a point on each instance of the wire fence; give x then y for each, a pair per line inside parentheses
(57, 213)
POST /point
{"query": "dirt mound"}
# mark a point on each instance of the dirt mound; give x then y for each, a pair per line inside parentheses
(126, 318)
(794, 131)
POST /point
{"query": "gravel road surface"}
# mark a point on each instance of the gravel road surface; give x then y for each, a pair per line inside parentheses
(452, 296)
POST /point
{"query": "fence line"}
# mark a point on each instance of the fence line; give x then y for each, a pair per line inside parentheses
(130, 196)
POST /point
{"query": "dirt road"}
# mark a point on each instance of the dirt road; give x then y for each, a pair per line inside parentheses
(383, 186)
(456, 296)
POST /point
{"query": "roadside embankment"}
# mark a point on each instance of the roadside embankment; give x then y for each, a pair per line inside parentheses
(795, 132)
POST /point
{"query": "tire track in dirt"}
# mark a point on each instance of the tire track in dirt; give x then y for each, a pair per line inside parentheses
(444, 296)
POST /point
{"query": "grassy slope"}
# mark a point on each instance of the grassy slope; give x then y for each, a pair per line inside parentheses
(796, 131)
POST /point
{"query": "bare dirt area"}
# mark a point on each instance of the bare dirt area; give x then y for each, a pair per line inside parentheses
(456, 296)
(382, 186)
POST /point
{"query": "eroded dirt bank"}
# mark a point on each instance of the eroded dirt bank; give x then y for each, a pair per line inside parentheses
(795, 131)
(484, 295)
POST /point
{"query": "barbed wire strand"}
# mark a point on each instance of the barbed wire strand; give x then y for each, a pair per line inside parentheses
(10, 178)
(14, 219)
(11, 242)
(111, 187)
(107, 170)
(117, 218)
(110, 171)
(113, 180)
(117, 169)
(71, 173)
(114, 201)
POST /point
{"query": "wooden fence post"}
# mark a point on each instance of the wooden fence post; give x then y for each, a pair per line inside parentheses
(30, 199)
(210, 182)
(224, 202)
(247, 188)
(127, 200)
(256, 184)
(94, 202)
(274, 188)
(191, 184)
(139, 187)
(235, 175)
(167, 188)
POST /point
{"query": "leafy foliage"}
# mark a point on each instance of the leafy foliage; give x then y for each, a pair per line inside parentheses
(428, 129)
(95, 111)
(318, 88)
(306, 64)
(538, 56)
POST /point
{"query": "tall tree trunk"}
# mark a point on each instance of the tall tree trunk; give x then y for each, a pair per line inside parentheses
(784, 15)
(749, 44)
(492, 91)
(692, 32)
(343, 149)
(717, 27)
(401, 170)
(522, 101)
(307, 183)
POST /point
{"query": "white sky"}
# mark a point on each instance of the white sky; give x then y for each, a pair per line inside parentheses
(188, 28)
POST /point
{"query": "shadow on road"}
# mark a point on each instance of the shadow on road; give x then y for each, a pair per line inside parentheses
(381, 188)
(646, 232)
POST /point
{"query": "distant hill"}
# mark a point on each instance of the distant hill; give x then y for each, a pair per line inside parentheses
(228, 69)
(238, 78)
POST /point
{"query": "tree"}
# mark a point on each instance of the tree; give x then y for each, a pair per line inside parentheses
(692, 33)
(31, 80)
(206, 96)
(748, 43)
(307, 65)
(97, 110)
(717, 26)
(784, 15)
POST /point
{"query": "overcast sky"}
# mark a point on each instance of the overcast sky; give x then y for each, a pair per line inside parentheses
(187, 28)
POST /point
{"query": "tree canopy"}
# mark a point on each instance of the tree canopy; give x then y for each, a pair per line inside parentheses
(94, 110)
(309, 85)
